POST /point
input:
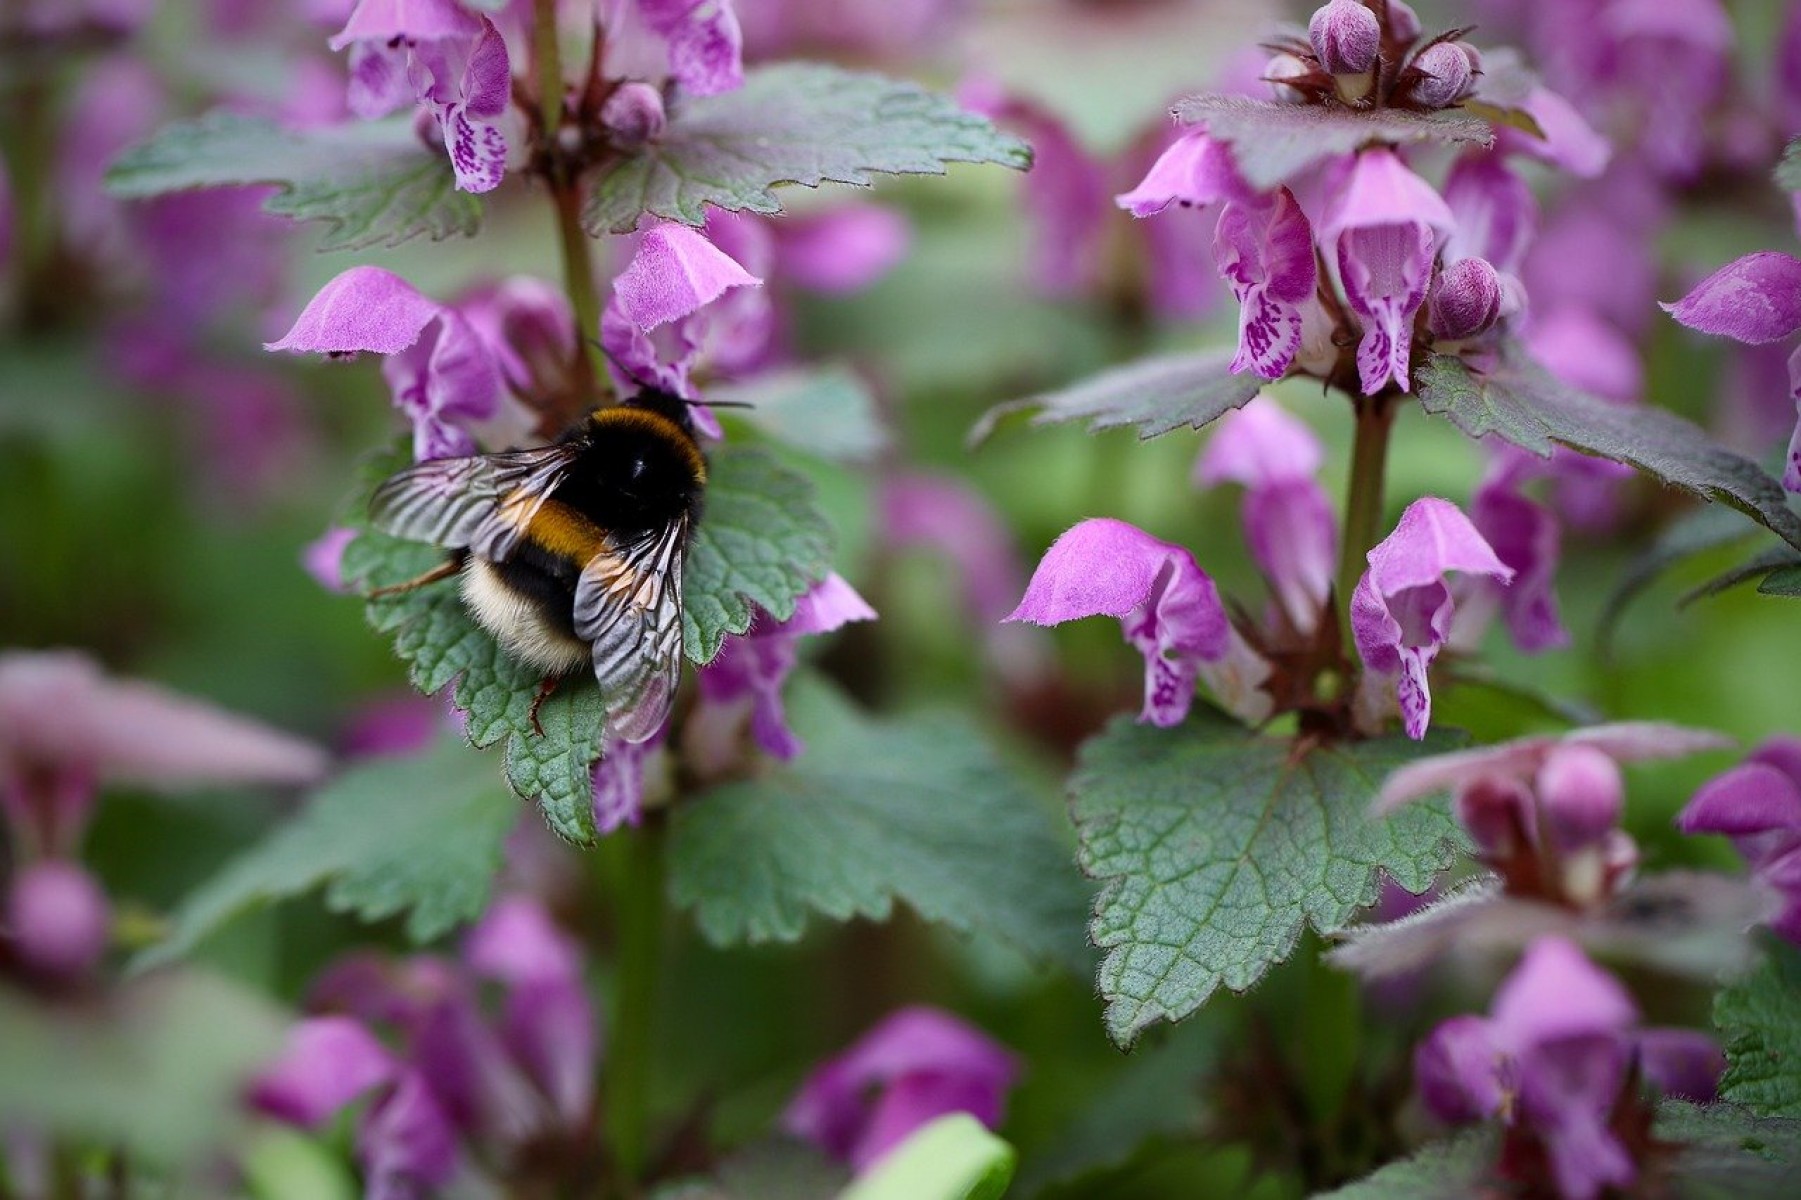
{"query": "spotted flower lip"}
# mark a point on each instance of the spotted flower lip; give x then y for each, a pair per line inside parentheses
(1383, 226)
(447, 58)
(1401, 610)
(704, 40)
(1265, 251)
(917, 1065)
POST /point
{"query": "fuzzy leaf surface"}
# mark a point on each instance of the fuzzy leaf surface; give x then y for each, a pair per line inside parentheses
(802, 123)
(157, 1069)
(761, 541)
(1155, 395)
(781, 1167)
(1522, 403)
(1759, 1018)
(372, 182)
(420, 835)
(1217, 847)
(1727, 1154)
(1272, 142)
(875, 811)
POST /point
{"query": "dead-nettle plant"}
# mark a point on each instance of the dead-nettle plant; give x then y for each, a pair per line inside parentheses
(1374, 227)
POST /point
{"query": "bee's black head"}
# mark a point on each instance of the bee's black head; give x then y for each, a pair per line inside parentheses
(664, 403)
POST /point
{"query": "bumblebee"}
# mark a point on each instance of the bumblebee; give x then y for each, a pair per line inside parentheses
(571, 554)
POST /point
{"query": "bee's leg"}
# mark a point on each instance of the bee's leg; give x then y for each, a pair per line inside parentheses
(443, 570)
(546, 687)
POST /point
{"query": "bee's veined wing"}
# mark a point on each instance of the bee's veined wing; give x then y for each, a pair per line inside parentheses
(628, 603)
(482, 503)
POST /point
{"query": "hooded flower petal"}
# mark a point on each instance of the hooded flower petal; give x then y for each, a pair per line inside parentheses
(1259, 445)
(674, 273)
(705, 42)
(1755, 299)
(755, 666)
(327, 1063)
(1385, 223)
(917, 1065)
(1527, 538)
(406, 1143)
(1194, 171)
(1458, 1070)
(1685, 1063)
(1265, 251)
(1401, 610)
(1167, 606)
(1751, 798)
(1569, 142)
(364, 308)
(406, 20)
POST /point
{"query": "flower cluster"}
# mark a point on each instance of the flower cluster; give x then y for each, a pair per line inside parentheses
(452, 1084)
(1560, 1061)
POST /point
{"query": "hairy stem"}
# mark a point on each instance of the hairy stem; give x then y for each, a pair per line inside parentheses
(566, 195)
(635, 867)
(1363, 500)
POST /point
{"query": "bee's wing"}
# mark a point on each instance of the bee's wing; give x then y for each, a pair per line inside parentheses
(481, 503)
(628, 603)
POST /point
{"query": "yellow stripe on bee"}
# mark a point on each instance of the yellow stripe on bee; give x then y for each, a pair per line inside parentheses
(564, 532)
(621, 416)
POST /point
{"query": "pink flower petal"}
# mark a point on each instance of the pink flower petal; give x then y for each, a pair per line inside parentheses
(327, 1063)
(673, 274)
(705, 42)
(410, 20)
(844, 249)
(365, 308)
(1259, 444)
(1194, 171)
(1755, 299)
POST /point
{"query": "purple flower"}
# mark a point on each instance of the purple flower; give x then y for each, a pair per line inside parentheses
(1758, 805)
(618, 781)
(1526, 537)
(917, 1065)
(1401, 611)
(1265, 251)
(399, 723)
(445, 57)
(327, 1063)
(57, 920)
(528, 327)
(1544, 812)
(673, 275)
(705, 45)
(945, 514)
(753, 667)
(1195, 171)
(1551, 1062)
(1382, 227)
(1167, 607)
(1756, 299)
(1288, 521)
(1465, 301)
(842, 249)
(443, 375)
(323, 557)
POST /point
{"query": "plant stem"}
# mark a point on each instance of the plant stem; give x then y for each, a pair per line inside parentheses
(566, 195)
(1363, 501)
(635, 867)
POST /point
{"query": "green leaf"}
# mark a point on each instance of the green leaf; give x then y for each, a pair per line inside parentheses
(1726, 1154)
(761, 541)
(372, 182)
(1155, 394)
(1788, 171)
(420, 835)
(799, 123)
(1218, 846)
(1522, 403)
(1783, 581)
(951, 1158)
(1759, 1018)
(911, 809)
(1759, 566)
(827, 411)
(158, 1068)
(1694, 533)
(1272, 142)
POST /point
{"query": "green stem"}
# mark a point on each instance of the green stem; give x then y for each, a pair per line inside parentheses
(635, 866)
(566, 195)
(1363, 501)
(549, 55)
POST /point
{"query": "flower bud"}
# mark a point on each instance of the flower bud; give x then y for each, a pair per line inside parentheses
(1466, 300)
(1283, 67)
(633, 115)
(1403, 23)
(1582, 794)
(1497, 813)
(58, 919)
(1446, 72)
(1346, 37)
